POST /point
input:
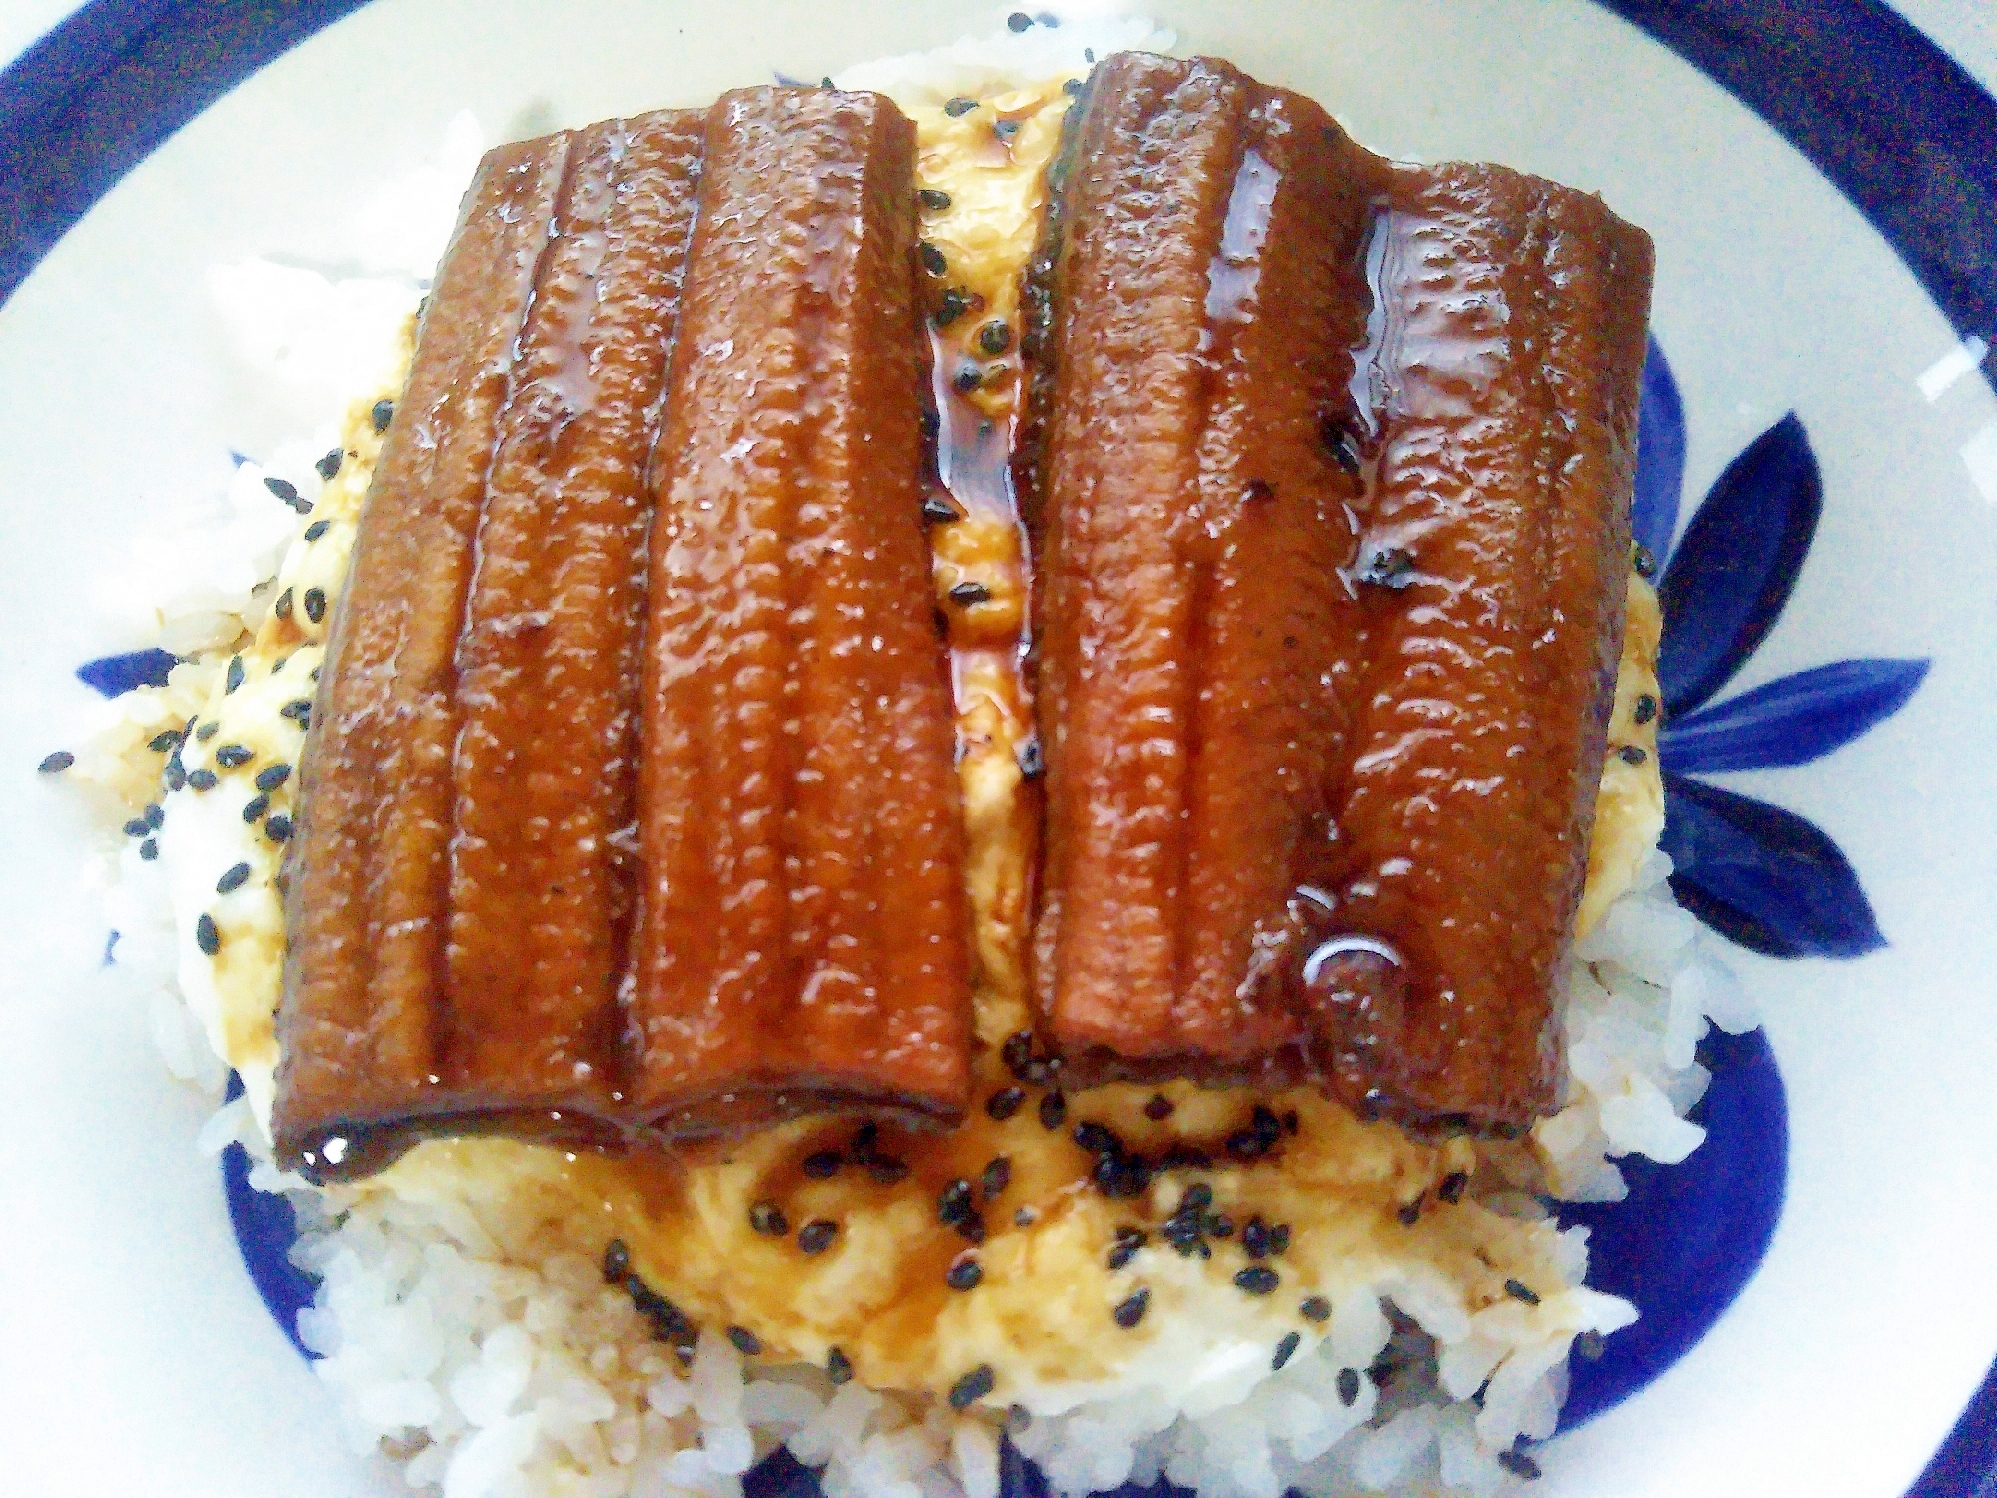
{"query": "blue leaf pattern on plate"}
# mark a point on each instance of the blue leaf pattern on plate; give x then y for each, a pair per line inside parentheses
(1737, 564)
(1791, 721)
(115, 675)
(1660, 456)
(1762, 876)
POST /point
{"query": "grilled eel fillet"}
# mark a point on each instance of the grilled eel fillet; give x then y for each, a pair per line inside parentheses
(495, 844)
(802, 937)
(1329, 469)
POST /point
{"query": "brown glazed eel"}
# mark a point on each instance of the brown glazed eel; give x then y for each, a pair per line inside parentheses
(802, 937)
(457, 895)
(1318, 559)
(470, 877)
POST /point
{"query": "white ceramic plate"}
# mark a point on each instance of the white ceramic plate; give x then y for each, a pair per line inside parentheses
(135, 1353)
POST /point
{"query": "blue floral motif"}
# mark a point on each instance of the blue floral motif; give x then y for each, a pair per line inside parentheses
(1762, 876)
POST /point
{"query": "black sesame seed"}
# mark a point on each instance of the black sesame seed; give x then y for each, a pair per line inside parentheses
(1128, 1241)
(939, 510)
(233, 756)
(1520, 1290)
(1410, 1212)
(382, 414)
(953, 304)
(1452, 1187)
(816, 1236)
(1279, 1240)
(972, 1387)
(1285, 1350)
(1089, 55)
(282, 608)
(838, 1367)
(149, 849)
(235, 878)
(1096, 1138)
(953, 1203)
(235, 676)
(1646, 708)
(1220, 1225)
(1338, 442)
(330, 464)
(823, 1165)
(272, 776)
(1247, 1145)
(1519, 1465)
(174, 775)
(886, 1170)
(165, 743)
(255, 807)
(1131, 1310)
(1315, 1308)
(1005, 130)
(1159, 1108)
(995, 337)
(968, 378)
(137, 827)
(56, 763)
(1002, 1104)
(933, 259)
(933, 198)
(277, 828)
(768, 1219)
(1348, 1386)
(616, 1261)
(968, 593)
(864, 1139)
(1032, 759)
(1017, 1052)
(1589, 1346)
(1387, 567)
(1019, 20)
(206, 936)
(965, 1274)
(315, 604)
(746, 1342)
(1196, 1197)
(317, 529)
(1258, 491)
(1643, 559)
(1256, 1280)
(1630, 754)
(1072, 87)
(959, 106)
(288, 493)
(202, 780)
(1255, 1238)
(207, 731)
(1053, 1110)
(299, 711)
(997, 1176)
(971, 1227)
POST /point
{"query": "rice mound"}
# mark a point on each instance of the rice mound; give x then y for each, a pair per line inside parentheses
(472, 1339)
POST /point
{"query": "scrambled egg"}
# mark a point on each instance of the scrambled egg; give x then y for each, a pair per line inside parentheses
(996, 1247)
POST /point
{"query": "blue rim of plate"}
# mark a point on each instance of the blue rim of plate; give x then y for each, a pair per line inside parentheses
(1886, 116)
